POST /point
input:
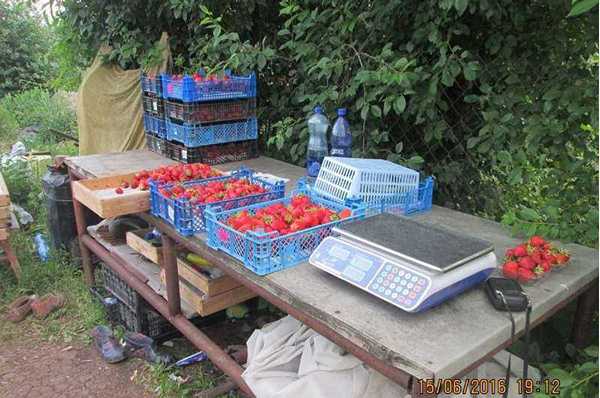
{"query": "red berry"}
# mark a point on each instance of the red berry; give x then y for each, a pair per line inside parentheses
(520, 251)
(562, 258)
(537, 241)
(511, 270)
(546, 266)
(525, 275)
(119, 190)
(527, 263)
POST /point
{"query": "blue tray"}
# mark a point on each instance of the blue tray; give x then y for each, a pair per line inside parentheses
(264, 253)
(189, 218)
(187, 89)
(194, 136)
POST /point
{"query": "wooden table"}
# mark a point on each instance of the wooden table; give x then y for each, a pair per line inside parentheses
(447, 341)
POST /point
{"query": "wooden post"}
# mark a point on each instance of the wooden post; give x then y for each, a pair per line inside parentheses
(171, 275)
(587, 305)
(86, 256)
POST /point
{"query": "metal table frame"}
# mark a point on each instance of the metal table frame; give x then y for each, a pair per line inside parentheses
(171, 309)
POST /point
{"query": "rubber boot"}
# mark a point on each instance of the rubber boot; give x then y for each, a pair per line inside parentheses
(141, 346)
(20, 308)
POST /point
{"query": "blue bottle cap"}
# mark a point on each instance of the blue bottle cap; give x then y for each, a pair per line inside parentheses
(318, 109)
(341, 111)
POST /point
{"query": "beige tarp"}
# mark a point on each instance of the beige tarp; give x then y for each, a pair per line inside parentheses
(109, 105)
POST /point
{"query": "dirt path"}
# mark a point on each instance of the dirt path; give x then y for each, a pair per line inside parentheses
(34, 368)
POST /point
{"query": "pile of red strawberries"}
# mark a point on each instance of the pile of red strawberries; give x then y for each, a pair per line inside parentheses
(533, 259)
(169, 174)
(213, 191)
(300, 214)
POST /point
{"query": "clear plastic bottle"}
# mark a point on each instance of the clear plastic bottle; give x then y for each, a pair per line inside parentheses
(41, 247)
(317, 142)
(341, 136)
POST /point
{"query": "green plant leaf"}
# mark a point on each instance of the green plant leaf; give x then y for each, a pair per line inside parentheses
(399, 104)
(591, 351)
(565, 378)
(376, 111)
(529, 214)
(461, 6)
(581, 7)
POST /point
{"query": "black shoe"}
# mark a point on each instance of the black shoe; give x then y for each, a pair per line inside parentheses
(141, 346)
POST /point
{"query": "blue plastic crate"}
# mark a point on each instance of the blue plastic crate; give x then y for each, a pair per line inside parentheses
(264, 253)
(187, 89)
(155, 125)
(189, 218)
(151, 84)
(194, 136)
(415, 201)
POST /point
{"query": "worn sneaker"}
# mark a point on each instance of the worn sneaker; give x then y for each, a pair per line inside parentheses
(45, 305)
(106, 344)
(20, 308)
(141, 346)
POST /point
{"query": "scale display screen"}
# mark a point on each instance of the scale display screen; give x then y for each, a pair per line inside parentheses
(339, 252)
(362, 263)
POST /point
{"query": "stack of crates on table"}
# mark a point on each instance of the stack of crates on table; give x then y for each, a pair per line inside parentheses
(154, 113)
(210, 119)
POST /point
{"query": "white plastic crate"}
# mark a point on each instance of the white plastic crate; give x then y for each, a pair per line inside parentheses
(371, 180)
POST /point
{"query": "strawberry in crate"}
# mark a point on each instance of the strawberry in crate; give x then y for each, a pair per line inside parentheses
(533, 259)
(300, 214)
(214, 191)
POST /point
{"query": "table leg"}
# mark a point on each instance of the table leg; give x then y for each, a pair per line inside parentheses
(12, 259)
(86, 256)
(587, 306)
(171, 275)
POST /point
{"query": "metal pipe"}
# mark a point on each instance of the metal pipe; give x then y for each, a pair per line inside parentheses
(86, 256)
(191, 332)
(395, 374)
(171, 275)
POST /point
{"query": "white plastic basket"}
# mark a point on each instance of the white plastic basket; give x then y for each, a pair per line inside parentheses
(371, 180)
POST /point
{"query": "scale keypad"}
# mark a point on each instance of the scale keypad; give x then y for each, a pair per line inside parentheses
(403, 287)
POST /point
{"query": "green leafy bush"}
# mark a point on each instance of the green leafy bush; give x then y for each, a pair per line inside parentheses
(577, 380)
(495, 98)
(24, 43)
(43, 110)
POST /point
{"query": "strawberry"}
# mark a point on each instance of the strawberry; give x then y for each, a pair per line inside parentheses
(537, 257)
(510, 253)
(511, 270)
(119, 191)
(525, 275)
(124, 184)
(562, 258)
(538, 270)
(537, 241)
(527, 263)
(520, 251)
(546, 266)
(345, 213)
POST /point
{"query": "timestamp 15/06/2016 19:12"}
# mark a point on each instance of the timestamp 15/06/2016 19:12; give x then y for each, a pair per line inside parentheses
(486, 386)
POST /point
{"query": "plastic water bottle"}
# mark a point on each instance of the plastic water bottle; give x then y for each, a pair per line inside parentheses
(341, 137)
(41, 247)
(317, 142)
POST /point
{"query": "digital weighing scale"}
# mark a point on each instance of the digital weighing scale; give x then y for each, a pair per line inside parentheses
(412, 265)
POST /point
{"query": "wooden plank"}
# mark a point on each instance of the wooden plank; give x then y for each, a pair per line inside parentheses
(98, 194)
(196, 278)
(4, 194)
(5, 212)
(116, 163)
(4, 234)
(206, 305)
(135, 240)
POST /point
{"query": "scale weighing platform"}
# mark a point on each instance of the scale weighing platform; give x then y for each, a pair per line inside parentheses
(412, 265)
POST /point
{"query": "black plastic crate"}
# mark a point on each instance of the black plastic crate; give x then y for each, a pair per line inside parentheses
(211, 112)
(213, 154)
(156, 144)
(131, 310)
(153, 105)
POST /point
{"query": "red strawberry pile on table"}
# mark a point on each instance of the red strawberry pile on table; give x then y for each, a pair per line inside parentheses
(169, 174)
(532, 259)
(300, 214)
(213, 191)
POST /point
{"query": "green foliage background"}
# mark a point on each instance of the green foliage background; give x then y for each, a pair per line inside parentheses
(496, 98)
(24, 44)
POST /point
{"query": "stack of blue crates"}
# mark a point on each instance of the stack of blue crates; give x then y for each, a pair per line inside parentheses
(203, 113)
(154, 113)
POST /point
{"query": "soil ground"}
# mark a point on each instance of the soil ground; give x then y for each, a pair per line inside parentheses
(31, 367)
